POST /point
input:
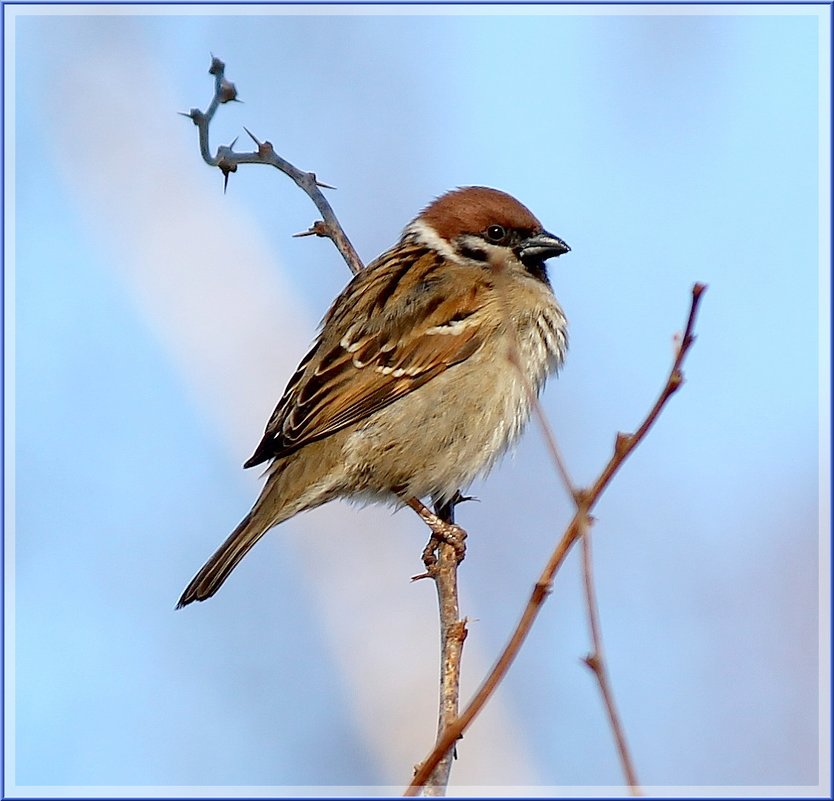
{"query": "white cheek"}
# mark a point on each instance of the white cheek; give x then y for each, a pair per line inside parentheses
(429, 237)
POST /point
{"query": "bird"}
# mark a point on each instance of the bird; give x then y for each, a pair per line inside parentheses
(422, 374)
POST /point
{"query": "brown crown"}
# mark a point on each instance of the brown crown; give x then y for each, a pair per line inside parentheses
(471, 209)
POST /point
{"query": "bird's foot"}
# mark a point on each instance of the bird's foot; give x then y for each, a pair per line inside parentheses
(442, 531)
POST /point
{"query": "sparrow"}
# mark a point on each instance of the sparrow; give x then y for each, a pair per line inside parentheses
(422, 373)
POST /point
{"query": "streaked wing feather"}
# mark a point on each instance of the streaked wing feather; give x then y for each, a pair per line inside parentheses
(412, 332)
(374, 389)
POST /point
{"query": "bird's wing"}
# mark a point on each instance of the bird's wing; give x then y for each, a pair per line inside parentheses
(394, 328)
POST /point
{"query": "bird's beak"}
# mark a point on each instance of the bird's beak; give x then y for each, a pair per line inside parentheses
(542, 246)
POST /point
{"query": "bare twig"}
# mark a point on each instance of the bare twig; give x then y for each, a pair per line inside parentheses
(441, 558)
(447, 537)
(452, 635)
(625, 444)
(596, 662)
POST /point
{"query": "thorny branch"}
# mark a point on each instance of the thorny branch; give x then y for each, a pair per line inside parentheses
(227, 160)
(586, 500)
(447, 538)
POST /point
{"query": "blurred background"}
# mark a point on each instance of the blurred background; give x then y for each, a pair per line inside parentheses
(152, 323)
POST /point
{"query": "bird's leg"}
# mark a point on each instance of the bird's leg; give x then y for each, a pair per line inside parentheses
(443, 528)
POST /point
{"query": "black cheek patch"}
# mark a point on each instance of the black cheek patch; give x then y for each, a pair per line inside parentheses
(476, 254)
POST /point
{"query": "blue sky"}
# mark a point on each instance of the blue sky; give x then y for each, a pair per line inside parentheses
(152, 321)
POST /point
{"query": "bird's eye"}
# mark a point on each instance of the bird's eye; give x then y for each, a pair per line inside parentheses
(496, 233)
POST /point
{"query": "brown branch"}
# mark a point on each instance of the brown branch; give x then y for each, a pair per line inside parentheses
(596, 662)
(452, 635)
(453, 632)
(625, 444)
(441, 557)
(447, 537)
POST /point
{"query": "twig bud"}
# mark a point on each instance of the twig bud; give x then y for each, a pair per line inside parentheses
(227, 91)
(622, 443)
(592, 662)
(217, 66)
(541, 591)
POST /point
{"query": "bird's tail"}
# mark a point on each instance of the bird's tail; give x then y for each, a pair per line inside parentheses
(214, 572)
(292, 486)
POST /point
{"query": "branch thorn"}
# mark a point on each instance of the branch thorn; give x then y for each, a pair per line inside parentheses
(318, 228)
(226, 167)
(195, 115)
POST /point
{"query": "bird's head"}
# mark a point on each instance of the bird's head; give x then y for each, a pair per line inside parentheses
(486, 226)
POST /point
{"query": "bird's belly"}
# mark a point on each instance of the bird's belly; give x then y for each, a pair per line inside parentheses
(438, 438)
